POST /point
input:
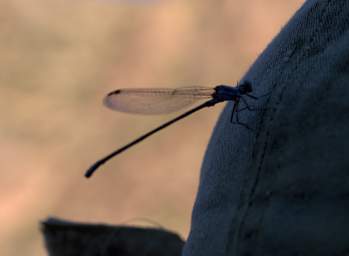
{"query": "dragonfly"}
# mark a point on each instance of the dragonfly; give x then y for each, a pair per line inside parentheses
(152, 101)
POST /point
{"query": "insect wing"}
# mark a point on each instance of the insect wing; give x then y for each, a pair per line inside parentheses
(152, 101)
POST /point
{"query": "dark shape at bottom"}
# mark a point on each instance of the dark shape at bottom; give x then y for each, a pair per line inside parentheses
(65, 238)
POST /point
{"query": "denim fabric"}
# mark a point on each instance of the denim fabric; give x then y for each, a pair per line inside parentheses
(283, 189)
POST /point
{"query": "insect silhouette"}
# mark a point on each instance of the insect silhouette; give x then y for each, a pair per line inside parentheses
(151, 101)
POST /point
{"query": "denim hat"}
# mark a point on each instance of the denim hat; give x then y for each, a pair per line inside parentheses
(283, 188)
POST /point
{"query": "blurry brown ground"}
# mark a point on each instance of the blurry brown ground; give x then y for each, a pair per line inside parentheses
(59, 58)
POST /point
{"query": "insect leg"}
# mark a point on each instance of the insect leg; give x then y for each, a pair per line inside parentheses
(237, 110)
(236, 103)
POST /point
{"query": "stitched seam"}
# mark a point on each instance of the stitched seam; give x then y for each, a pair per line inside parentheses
(241, 223)
(311, 45)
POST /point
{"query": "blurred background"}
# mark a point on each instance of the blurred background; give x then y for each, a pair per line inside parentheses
(59, 59)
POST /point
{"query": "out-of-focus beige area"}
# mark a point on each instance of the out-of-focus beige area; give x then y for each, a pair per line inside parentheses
(59, 59)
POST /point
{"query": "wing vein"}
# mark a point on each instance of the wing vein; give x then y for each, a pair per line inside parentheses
(155, 100)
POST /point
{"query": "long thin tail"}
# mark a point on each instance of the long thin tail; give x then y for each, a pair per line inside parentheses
(100, 162)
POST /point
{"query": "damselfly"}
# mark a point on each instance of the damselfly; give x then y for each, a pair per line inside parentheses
(162, 101)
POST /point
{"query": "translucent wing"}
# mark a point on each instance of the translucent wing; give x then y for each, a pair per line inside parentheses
(152, 101)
